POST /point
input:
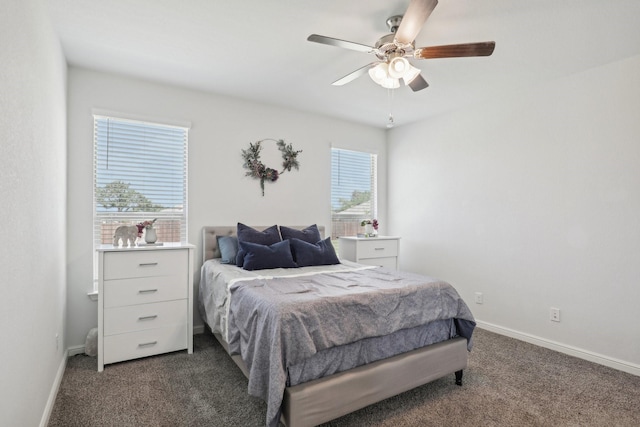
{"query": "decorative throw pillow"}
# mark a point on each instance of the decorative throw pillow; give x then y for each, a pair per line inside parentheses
(259, 257)
(228, 246)
(320, 253)
(310, 234)
(245, 233)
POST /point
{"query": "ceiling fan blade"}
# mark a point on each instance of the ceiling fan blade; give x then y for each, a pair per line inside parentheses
(418, 83)
(340, 43)
(455, 50)
(355, 74)
(413, 20)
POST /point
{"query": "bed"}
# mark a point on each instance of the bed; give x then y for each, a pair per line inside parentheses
(285, 329)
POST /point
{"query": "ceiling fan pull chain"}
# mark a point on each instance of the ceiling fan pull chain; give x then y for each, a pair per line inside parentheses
(390, 122)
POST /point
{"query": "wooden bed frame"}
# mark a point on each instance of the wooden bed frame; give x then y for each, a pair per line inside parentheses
(325, 399)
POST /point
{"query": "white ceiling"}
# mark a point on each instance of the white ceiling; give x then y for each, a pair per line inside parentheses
(257, 49)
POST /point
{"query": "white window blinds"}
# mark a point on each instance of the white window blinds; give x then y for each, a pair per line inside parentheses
(353, 190)
(140, 173)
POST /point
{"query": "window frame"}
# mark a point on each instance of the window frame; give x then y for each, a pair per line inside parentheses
(352, 226)
(177, 214)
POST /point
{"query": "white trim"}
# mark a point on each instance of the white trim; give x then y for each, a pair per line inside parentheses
(54, 391)
(580, 353)
(75, 350)
(141, 118)
(346, 147)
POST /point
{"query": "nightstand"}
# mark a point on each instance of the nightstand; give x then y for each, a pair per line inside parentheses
(381, 251)
(145, 301)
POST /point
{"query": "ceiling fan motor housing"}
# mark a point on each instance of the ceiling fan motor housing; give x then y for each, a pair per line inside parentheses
(387, 48)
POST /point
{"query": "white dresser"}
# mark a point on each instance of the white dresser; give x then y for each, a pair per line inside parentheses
(381, 251)
(145, 301)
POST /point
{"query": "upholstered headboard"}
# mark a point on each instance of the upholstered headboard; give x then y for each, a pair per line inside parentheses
(210, 234)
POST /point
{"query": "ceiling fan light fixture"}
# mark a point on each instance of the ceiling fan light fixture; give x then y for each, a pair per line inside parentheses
(410, 75)
(390, 83)
(379, 73)
(398, 66)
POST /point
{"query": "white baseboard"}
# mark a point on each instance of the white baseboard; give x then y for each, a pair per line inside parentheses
(620, 365)
(198, 329)
(75, 350)
(54, 391)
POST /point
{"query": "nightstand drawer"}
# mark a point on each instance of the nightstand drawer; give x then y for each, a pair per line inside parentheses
(145, 263)
(144, 316)
(374, 248)
(145, 290)
(386, 262)
(144, 343)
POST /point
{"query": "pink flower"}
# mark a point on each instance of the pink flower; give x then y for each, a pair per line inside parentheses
(145, 224)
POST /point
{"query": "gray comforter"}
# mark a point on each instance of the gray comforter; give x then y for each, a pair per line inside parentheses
(278, 322)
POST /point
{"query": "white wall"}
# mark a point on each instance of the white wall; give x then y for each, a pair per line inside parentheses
(33, 212)
(219, 193)
(533, 199)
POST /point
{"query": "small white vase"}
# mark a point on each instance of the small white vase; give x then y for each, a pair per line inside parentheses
(368, 230)
(150, 235)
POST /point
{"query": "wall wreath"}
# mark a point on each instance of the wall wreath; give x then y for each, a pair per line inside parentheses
(258, 170)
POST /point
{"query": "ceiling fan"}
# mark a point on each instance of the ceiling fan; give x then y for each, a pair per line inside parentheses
(392, 50)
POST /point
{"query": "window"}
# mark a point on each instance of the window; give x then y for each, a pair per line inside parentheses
(353, 191)
(140, 173)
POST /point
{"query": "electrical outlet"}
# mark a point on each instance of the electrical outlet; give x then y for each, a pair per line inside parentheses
(479, 298)
(554, 314)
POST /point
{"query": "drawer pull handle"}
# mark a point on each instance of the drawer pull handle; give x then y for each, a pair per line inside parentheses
(147, 264)
(147, 291)
(379, 249)
(147, 317)
(147, 344)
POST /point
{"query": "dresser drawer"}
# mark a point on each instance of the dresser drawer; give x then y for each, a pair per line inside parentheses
(144, 290)
(132, 318)
(144, 343)
(145, 263)
(377, 248)
(386, 262)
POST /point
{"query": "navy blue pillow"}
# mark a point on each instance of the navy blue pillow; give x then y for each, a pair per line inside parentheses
(259, 257)
(228, 246)
(245, 233)
(306, 254)
(310, 234)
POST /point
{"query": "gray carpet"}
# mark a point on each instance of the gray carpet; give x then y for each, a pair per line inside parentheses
(507, 383)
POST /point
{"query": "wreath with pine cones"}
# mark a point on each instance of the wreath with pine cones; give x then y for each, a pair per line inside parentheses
(258, 170)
